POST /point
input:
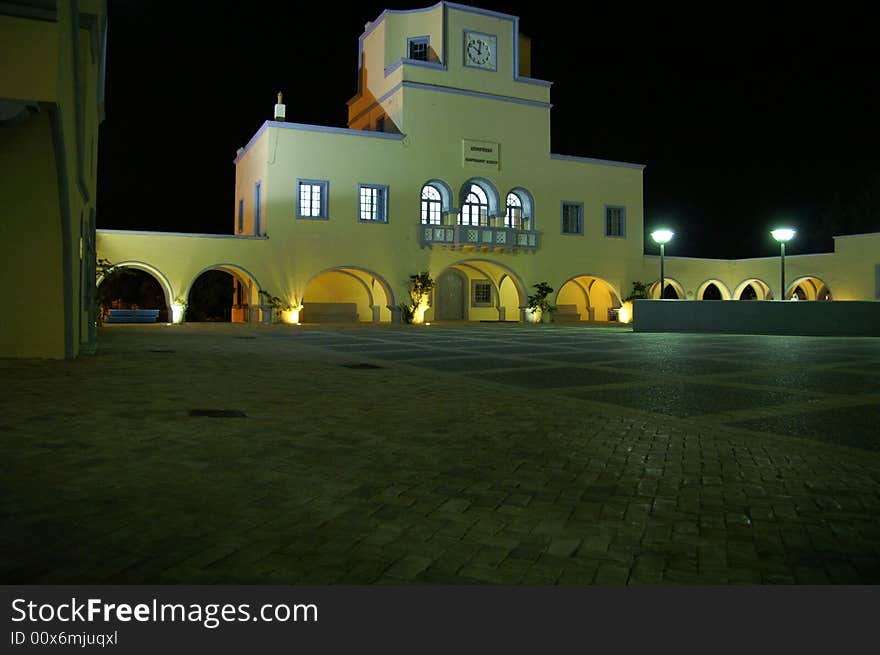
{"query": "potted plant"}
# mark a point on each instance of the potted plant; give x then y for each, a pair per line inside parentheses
(538, 304)
(279, 307)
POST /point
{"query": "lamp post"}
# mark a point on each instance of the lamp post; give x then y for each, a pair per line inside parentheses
(662, 237)
(782, 235)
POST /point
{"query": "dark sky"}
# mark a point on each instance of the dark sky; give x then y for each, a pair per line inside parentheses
(746, 115)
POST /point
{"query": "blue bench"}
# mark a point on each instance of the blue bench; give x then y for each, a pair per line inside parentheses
(132, 316)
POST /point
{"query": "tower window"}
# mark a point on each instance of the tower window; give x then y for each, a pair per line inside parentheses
(417, 48)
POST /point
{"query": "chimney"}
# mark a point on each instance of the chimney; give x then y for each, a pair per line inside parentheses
(279, 108)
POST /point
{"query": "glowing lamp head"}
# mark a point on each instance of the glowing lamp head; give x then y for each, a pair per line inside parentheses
(662, 236)
(783, 234)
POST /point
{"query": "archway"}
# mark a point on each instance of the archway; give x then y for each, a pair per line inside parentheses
(713, 289)
(672, 289)
(753, 289)
(223, 293)
(477, 290)
(135, 285)
(808, 287)
(347, 294)
(587, 298)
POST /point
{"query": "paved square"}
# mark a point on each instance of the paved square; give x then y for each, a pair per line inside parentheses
(475, 454)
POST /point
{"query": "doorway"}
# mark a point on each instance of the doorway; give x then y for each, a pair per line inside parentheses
(451, 296)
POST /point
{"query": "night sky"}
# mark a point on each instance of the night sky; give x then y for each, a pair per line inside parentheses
(746, 115)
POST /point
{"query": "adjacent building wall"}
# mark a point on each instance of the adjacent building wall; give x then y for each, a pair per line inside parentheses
(53, 59)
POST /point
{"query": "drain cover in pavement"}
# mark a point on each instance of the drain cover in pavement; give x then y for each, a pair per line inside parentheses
(218, 413)
(161, 351)
(361, 366)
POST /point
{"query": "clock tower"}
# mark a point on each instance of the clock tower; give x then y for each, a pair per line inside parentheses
(448, 64)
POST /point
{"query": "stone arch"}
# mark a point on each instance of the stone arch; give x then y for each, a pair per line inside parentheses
(159, 276)
(246, 299)
(587, 298)
(762, 289)
(671, 283)
(347, 294)
(814, 288)
(495, 208)
(508, 291)
(722, 288)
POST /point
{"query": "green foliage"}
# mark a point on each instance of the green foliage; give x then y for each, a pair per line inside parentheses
(107, 272)
(420, 287)
(639, 291)
(538, 300)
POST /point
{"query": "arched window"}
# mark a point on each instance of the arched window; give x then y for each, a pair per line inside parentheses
(475, 208)
(431, 205)
(514, 216)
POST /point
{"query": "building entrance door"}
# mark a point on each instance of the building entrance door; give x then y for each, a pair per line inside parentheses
(450, 296)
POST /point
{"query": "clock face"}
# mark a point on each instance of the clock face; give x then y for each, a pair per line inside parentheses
(479, 50)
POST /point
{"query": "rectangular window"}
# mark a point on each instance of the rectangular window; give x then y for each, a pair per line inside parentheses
(373, 203)
(417, 48)
(572, 217)
(312, 196)
(240, 215)
(481, 293)
(257, 208)
(615, 221)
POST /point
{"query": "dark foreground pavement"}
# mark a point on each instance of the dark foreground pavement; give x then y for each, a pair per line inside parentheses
(471, 454)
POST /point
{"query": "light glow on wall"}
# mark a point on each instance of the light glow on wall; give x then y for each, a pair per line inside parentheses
(177, 311)
(291, 316)
(625, 313)
(421, 308)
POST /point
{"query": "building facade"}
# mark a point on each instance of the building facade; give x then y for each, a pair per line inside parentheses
(51, 103)
(446, 167)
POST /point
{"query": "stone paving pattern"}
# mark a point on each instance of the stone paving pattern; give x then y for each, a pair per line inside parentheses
(510, 454)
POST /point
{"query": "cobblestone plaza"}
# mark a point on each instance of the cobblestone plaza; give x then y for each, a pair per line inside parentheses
(514, 454)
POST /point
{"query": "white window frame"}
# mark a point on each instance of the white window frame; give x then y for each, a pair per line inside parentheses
(426, 205)
(324, 201)
(378, 200)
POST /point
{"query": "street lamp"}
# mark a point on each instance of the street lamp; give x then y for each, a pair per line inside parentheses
(662, 237)
(782, 235)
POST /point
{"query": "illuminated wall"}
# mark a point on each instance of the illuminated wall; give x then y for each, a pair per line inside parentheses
(52, 86)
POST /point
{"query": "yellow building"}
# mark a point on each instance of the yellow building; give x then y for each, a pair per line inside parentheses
(51, 103)
(446, 167)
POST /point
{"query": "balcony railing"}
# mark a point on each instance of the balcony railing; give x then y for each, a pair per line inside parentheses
(478, 238)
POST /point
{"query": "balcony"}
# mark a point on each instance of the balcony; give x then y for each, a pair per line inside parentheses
(478, 238)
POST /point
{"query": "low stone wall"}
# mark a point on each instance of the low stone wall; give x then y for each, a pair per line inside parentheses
(835, 318)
